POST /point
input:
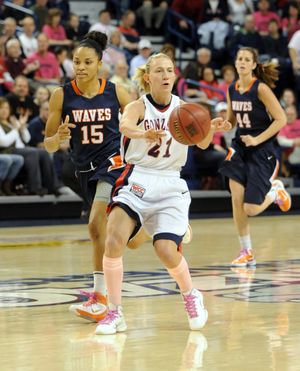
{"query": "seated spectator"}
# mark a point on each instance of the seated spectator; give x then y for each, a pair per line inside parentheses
(27, 39)
(37, 162)
(120, 77)
(104, 23)
(54, 30)
(114, 51)
(104, 71)
(246, 36)
(238, 9)
(209, 79)
(14, 12)
(263, 16)
(145, 50)
(214, 35)
(228, 74)
(75, 30)
(48, 71)
(66, 70)
(291, 22)
(20, 99)
(14, 63)
(287, 98)
(10, 166)
(289, 139)
(129, 32)
(215, 9)
(151, 14)
(9, 30)
(6, 81)
(40, 11)
(41, 95)
(63, 6)
(193, 70)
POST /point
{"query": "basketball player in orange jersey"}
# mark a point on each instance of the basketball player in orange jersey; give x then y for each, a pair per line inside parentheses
(90, 110)
(150, 192)
(251, 163)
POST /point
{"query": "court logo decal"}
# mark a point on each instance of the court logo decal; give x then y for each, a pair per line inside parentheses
(270, 282)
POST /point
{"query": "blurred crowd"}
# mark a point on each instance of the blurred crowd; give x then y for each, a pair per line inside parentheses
(37, 38)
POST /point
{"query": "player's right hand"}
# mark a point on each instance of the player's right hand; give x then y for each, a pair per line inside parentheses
(154, 136)
(64, 130)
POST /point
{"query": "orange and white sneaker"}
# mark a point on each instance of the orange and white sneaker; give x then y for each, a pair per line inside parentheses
(95, 309)
(245, 258)
(187, 238)
(283, 199)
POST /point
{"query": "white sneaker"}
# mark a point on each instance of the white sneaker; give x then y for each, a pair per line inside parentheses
(197, 314)
(95, 309)
(113, 322)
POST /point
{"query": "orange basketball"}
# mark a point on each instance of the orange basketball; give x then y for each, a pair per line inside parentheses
(189, 123)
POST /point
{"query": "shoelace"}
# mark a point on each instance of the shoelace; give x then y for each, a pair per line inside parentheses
(92, 297)
(242, 254)
(190, 305)
(110, 317)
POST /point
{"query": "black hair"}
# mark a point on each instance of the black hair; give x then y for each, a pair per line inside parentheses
(95, 40)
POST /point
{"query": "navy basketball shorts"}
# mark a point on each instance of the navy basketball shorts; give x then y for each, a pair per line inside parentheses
(253, 167)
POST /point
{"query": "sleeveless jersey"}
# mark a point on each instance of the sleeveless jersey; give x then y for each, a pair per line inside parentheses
(96, 136)
(251, 114)
(168, 155)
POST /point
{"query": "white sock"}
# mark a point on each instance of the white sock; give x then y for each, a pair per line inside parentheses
(272, 194)
(245, 242)
(99, 282)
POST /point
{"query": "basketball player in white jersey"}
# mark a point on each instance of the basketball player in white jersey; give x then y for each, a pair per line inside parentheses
(151, 193)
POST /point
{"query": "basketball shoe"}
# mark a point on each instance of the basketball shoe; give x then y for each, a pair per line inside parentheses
(244, 259)
(187, 238)
(283, 199)
(197, 314)
(113, 322)
(95, 309)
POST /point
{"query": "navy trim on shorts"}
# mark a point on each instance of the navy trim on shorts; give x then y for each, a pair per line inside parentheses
(132, 215)
(168, 236)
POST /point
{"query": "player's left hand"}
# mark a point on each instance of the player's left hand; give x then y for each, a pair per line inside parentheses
(249, 140)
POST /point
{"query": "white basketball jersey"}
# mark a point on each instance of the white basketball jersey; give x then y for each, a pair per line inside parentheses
(169, 155)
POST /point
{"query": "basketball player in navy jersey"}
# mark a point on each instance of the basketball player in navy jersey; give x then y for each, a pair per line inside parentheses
(89, 108)
(251, 163)
(150, 192)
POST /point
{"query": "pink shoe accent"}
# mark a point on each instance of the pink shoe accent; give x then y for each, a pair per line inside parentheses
(93, 298)
(190, 306)
(110, 317)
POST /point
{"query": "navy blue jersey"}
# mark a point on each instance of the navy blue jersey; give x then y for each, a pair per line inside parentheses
(96, 136)
(250, 112)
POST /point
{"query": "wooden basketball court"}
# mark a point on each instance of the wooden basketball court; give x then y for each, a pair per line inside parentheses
(254, 321)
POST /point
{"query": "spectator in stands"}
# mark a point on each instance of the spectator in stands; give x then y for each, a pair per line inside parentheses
(37, 162)
(6, 81)
(13, 12)
(14, 62)
(287, 98)
(10, 165)
(214, 35)
(41, 95)
(115, 51)
(215, 9)
(66, 70)
(145, 50)
(48, 71)
(291, 22)
(104, 24)
(75, 30)
(238, 9)
(105, 71)
(152, 14)
(228, 74)
(246, 36)
(40, 11)
(289, 140)
(63, 6)
(20, 100)
(193, 70)
(129, 32)
(8, 31)
(54, 30)
(263, 16)
(209, 80)
(27, 39)
(120, 77)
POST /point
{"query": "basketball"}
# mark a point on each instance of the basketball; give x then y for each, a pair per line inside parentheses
(189, 123)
